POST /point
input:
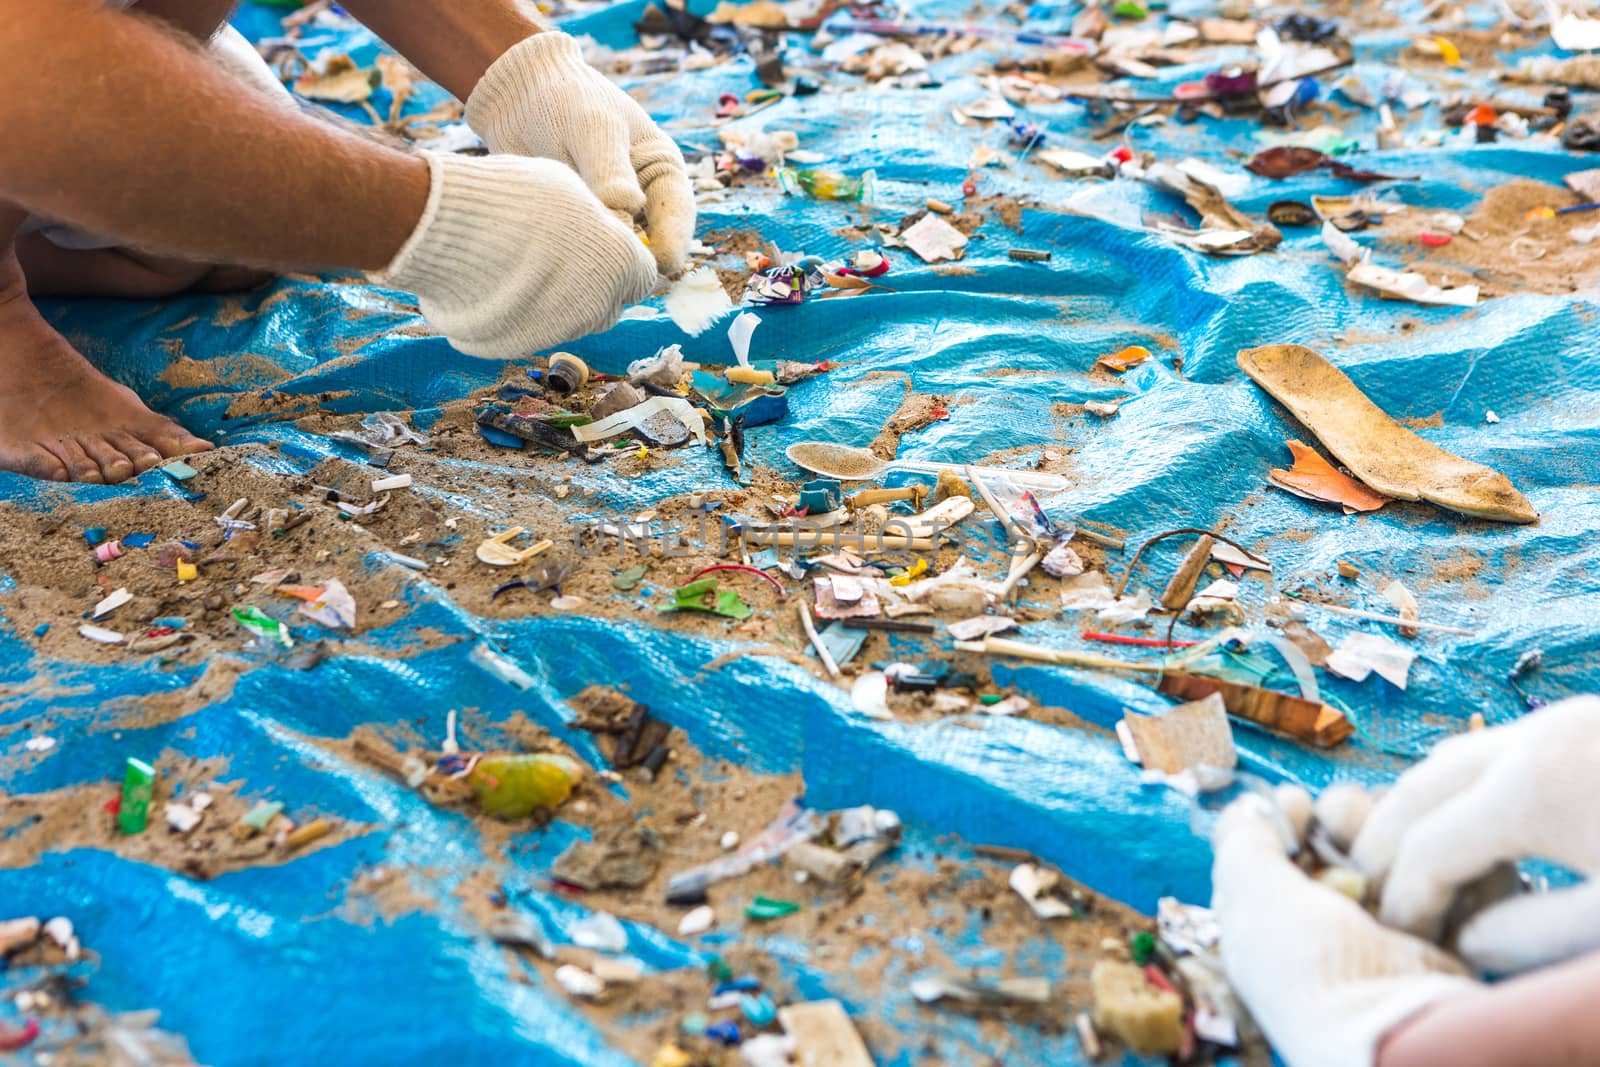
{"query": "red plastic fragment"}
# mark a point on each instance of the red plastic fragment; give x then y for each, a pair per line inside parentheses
(16, 1038)
(1434, 240)
(727, 104)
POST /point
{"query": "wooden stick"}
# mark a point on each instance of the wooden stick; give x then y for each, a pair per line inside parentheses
(868, 497)
(804, 611)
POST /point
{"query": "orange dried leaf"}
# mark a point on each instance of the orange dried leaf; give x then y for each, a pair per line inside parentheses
(1316, 479)
(1131, 356)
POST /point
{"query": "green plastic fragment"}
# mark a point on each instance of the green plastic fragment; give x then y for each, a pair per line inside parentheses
(178, 470)
(263, 625)
(1143, 946)
(628, 579)
(989, 700)
(763, 908)
(1129, 9)
(704, 596)
(718, 969)
(261, 816)
(138, 786)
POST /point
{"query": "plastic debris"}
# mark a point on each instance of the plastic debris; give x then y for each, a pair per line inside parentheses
(513, 786)
(697, 300)
(934, 239)
(823, 1035)
(1360, 655)
(111, 603)
(138, 787)
(333, 607)
(263, 625)
(1187, 736)
(703, 595)
(1043, 890)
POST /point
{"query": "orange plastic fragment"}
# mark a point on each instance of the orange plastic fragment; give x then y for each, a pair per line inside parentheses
(1482, 115)
(1315, 478)
(309, 593)
(1131, 356)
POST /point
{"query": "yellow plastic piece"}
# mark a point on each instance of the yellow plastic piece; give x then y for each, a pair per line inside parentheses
(1539, 214)
(187, 572)
(514, 786)
(643, 452)
(670, 1055)
(918, 569)
(1448, 52)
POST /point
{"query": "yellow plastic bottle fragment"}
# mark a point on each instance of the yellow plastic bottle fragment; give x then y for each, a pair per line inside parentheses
(514, 786)
(187, 572)
(918, 569)
(1448, 51)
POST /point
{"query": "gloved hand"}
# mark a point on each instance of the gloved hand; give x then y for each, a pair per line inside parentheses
(541, 99)
(1324, 980)
(512, 255)
(1514, 792)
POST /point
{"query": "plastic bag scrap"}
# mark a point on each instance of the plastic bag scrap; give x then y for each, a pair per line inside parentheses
(793, 825)
(335, 608)
(1224, 230)
(665, 420)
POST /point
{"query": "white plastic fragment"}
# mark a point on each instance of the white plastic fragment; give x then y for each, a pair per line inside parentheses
(729, 841)
(394, 481)
(767, 1050)
(59, 930)
(934, 239)
(1223, 552)
(578, 982)
(697, 921)
(111, 603)
(335, 608)
(870, 695)
(40, 743)
(1490, 417)
(1062, 562)
(200, 801)
(1034, 885)
(697, 300)
(1011, 705)
(100, 634)
(740, 331)
(181, 817)
(1130, 749)
(600, 931)
(981, 626)
(1359, 655)
(635, 417)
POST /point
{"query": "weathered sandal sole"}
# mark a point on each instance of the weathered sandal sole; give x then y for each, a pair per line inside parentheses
(1385, 455)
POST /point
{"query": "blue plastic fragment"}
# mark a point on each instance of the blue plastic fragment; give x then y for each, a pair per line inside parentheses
(174, 622)
(138, 540)
(747, 983)
(759, 1009)
(178, 470)
(726, 1032)
(500, 439)
(42, 629)
(94, 535)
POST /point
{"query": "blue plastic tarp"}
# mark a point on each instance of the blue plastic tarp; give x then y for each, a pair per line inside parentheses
(257, 967)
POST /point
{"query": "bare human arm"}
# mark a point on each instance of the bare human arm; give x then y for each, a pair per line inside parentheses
(451, 41)
(119, 125)
(1547, 1016)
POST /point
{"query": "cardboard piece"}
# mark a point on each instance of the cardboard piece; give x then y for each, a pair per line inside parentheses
(823, 1035)
(1189, 735)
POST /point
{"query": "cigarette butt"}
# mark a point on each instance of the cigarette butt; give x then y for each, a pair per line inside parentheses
(302, 836)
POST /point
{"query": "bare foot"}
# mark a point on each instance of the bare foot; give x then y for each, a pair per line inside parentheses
(62, 420)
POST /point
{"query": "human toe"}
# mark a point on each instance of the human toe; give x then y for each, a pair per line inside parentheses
(115, 466)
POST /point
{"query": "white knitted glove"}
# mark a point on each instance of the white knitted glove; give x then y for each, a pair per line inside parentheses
(1323, 979)
(541, 99)
(513, 255)
(1515, 792)
(235, 54)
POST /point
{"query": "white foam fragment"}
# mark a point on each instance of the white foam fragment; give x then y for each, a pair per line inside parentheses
(697, 300)
(1361, 655)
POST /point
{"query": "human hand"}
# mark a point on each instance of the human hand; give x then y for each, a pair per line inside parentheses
(1514, 792)
(513, 255)
(1323, 979)
(541, 99)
